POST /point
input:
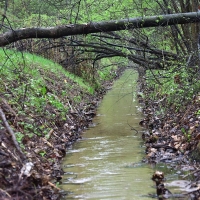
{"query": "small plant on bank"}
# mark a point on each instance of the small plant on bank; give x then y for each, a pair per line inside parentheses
(42, 153)
(186, 134)
(19, 137)
(77, 99)
(198, 113)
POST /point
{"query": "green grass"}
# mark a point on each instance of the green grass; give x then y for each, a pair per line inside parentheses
(39, 91)
(12, 61)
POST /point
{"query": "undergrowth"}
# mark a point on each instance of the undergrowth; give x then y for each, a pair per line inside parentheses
(174, 88)
(38, 90)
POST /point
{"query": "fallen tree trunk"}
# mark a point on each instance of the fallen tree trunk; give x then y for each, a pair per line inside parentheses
(94, 27)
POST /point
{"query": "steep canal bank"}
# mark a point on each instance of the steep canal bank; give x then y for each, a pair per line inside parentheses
(106, 163)
(43, 109)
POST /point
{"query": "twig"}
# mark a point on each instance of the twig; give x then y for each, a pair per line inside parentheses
(191, 173)
(9, 107)
(186, 112)
(48, 135)
(20, 190)
(10, 153)
(2, 115)
(3, 153)
(48, 143)
(3, 191)
(54, 186)
(72, 108)
(132, 128)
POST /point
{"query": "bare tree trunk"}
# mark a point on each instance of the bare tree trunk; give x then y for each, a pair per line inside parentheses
(95, 27)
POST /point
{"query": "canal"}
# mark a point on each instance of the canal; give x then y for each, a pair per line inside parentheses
(106, 163)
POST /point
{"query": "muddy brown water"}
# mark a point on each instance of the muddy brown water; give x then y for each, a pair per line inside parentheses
(106, 163)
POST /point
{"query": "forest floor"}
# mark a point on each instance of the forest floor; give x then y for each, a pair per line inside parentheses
(174, 139)
(33, 170)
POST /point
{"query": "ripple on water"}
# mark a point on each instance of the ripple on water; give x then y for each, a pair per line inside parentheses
(74, 165)
(134, 165)
(75, 150)
(77, 181)
(100, 115)
(92, 159)
(96, 138)
(106, 174)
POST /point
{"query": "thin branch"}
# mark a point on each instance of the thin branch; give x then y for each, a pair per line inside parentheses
(143, 44)
(10, 131)
(4, 14)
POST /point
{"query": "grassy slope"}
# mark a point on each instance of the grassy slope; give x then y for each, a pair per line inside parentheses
(47, 108)
(30, 84)
(30, 64)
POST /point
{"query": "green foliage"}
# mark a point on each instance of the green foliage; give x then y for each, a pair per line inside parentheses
(47, 13)
(106, 73)
(77, 99)
(186, 134)
(178, 93)
(42, 153)
(106, 10)
(198, 112)
(39, 20)
(26, 64)
(19, 137)
(109, 66)
(30, 128)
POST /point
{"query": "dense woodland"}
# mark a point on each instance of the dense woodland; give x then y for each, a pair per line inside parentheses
(92, 41)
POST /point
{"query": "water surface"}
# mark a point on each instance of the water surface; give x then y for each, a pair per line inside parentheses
(106, 164)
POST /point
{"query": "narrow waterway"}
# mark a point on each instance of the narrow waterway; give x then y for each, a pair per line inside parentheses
(106, 164)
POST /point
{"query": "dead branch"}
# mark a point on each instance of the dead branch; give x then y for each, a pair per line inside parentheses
(10, 131)
(54, 186)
